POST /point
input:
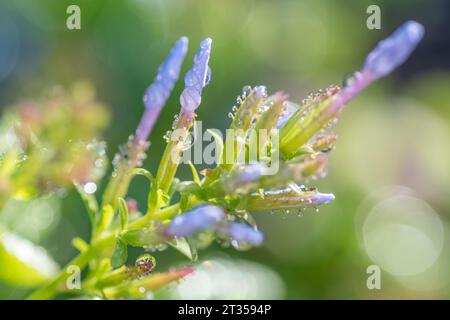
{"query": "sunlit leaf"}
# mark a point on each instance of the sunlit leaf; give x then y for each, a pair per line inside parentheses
(23, 263)
(120, 254)
(184, 246)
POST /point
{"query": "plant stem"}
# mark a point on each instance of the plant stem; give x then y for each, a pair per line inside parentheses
(118, 185)
(83, 258)
(174, 149)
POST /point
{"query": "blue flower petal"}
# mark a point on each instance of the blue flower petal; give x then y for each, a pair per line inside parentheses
(198, 219)
(158, 92)
(394, 50)
(196, 78)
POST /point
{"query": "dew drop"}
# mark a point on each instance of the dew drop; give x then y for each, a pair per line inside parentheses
(348, 79)
(99, 163)
(90, 188)
(208, 76)
(167, 136)
(246, 90)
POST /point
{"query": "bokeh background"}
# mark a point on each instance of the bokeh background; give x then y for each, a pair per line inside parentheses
(390, 170)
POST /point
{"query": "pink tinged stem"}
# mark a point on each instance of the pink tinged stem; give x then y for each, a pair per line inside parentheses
(148, 120)
(356, 84)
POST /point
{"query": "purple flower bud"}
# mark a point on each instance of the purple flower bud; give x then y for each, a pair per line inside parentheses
(196, 78)
(251, 173)
(260, 91)
(242, 233)
(285, 199)
(394, 50)
(198, 219)
(319, 198)
(158, 92)
(388, 55)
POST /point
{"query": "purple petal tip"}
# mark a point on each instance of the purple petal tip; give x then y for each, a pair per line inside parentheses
(197, 78)
(244, 234)
(195, 220)
(252, 172)
(394, 50)
(158, 92)
(322, 198)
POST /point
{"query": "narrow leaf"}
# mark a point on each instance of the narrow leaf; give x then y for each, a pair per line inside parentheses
(120, 254)
(123, 212)
(184, 246)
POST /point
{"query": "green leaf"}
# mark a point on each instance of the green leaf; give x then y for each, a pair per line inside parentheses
(24, 264)
(184, 246)
(190, 187)
(173, 187)
(120, 254)
(142, 172)
(157, 198)
(123, 212)
(194, 173)
(142, 237)
(106, 217)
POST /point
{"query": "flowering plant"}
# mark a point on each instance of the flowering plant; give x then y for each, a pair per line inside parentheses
(215, 207)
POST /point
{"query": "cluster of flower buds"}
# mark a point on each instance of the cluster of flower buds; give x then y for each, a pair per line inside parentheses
(293, 139)
(305, 137)
(234, 189)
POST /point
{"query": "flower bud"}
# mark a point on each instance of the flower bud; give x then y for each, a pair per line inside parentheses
(198, 219)
(159, 91)
(394, 50)
(196, 78)
(242, 233)
(285, 199)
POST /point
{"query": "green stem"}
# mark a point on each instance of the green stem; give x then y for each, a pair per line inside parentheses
(174, 149)
(83, 258)
(120, 180)
(48, 291)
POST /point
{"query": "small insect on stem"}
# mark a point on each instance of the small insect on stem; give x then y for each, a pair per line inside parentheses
(143, 266)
